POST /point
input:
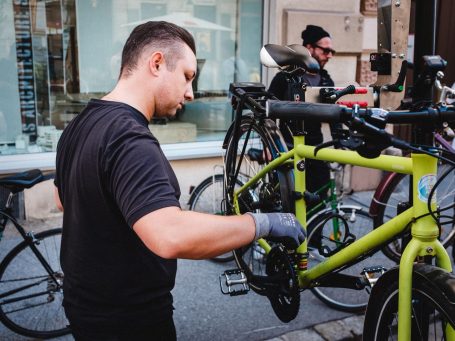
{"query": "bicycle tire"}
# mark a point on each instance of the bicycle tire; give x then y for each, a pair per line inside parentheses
(320, 234)
(272, 194)
(208, 197)
(433, 301)
(36, 310)
(398, 191)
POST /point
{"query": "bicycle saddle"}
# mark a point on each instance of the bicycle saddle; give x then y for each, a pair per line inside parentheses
(18, 182)
(278, 56)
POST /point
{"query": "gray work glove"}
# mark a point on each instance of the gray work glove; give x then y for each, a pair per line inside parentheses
(279, 227)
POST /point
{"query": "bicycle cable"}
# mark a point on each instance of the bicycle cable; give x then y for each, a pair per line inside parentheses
(433, 192)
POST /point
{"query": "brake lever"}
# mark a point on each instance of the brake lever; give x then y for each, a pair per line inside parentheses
(330, 95)
(348, 141)
(371, 130)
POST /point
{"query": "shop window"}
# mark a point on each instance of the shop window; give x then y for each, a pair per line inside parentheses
(57, 54)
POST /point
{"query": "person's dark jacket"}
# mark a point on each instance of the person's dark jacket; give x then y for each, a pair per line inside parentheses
(317, 171)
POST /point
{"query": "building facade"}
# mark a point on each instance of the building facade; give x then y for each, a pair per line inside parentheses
(57, 54)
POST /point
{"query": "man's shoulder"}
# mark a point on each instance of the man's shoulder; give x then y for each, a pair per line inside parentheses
(326, 80)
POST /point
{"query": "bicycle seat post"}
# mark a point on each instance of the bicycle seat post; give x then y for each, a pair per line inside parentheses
(9, 201)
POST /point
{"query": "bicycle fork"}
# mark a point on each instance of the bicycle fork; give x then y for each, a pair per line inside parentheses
(424, 242)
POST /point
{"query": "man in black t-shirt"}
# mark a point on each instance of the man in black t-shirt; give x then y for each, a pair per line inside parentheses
(122, 224)
(319, 44)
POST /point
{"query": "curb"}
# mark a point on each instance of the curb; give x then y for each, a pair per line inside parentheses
(347, 329)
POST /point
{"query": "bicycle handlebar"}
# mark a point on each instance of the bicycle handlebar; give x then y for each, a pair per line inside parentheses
(367, 125)
(318, 112)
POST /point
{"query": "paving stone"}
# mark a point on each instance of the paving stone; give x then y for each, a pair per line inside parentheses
(334, 331)
(355, 325)
(300, 335)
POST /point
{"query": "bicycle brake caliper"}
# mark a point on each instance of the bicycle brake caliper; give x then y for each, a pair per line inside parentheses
(234, 283)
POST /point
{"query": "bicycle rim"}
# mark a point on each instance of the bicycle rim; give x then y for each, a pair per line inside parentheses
(430, 314)
(34, 305)
(208, 196)
(271, 194)
(321, 236)
(399, 193)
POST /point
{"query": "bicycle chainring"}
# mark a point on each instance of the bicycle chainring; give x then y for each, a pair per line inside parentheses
(285, 297)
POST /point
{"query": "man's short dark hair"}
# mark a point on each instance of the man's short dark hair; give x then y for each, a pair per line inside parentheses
(160, 35)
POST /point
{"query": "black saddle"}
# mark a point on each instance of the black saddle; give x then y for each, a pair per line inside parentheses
(18, 182)
(283, 57)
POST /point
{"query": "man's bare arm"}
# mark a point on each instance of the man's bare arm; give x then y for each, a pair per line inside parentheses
(172, 233)
(57, 200)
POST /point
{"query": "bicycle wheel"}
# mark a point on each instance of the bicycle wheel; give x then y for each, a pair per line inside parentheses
(31, 301)
(432, 305)
(398, 192)
(255, 147)
(208, 197)
(321, 244)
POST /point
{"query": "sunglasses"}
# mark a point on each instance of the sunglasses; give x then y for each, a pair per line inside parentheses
(326, 50)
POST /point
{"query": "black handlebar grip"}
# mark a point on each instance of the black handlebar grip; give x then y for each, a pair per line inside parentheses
(346, 91)
(316, 112)
(408, 117)
(429, 116)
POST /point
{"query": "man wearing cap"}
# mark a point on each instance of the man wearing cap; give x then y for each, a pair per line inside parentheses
(319, 44)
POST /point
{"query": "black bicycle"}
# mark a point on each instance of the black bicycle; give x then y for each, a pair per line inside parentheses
(31, 279)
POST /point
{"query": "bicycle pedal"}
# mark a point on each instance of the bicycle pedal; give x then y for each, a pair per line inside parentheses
(372, 274)
(234, 283)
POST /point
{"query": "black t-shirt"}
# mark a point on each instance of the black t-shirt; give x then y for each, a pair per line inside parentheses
(110, 172)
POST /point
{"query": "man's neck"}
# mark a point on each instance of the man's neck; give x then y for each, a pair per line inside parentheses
(124, 93)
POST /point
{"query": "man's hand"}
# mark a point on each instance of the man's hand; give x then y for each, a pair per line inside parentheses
(280, 227)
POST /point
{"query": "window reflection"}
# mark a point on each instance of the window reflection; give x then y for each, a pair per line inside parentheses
(57, 54)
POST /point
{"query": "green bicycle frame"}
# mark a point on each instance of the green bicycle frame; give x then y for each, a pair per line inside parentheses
(424, 230)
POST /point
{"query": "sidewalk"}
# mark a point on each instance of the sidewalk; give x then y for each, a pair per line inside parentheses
(349, 328)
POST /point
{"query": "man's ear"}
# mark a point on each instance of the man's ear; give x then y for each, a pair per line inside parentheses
(310, 48)
(156, 62)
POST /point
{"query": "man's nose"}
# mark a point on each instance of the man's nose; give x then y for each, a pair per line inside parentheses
(189, 95)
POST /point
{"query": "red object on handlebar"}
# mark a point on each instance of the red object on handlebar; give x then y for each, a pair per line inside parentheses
(349, 104)
(358, 91)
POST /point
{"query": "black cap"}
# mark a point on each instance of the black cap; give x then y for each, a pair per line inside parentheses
(313, 34)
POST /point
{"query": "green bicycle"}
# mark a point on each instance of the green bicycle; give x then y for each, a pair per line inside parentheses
(416, 299)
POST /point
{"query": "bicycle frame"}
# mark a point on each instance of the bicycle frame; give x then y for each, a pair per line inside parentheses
(28, 237)
(424, 230)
